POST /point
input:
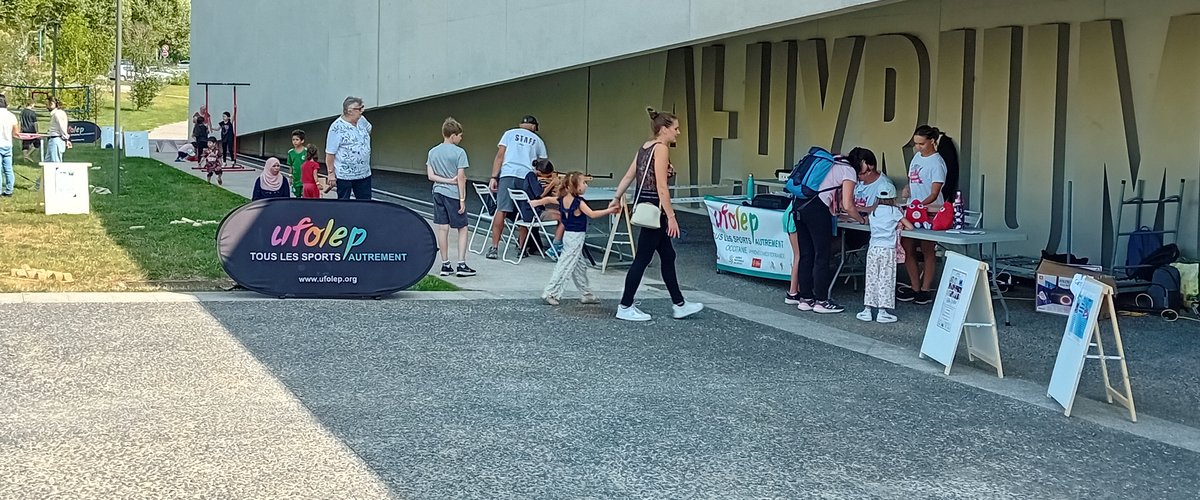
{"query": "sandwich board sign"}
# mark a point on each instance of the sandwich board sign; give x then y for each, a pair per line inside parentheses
(963, 304)
(1083, 333)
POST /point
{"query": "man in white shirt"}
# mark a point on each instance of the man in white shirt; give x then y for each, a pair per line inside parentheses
(9, 129)
(517, 150)
(348, 151)
(60, 139)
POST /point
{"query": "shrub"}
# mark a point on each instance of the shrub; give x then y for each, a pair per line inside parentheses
(145, 89)
(179, 79)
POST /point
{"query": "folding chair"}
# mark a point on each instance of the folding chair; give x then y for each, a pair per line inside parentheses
(484, 218)
(521, 200)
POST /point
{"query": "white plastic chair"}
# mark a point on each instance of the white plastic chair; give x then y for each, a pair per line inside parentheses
(521, 199)
(484, 218)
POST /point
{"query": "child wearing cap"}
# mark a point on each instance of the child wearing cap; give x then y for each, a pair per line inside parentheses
(880, 291)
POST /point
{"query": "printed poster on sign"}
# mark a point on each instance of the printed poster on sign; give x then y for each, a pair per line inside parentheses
(1079, 320)
(953, 293)
(750, 240)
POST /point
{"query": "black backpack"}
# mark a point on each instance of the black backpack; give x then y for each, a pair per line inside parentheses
(1162, 256)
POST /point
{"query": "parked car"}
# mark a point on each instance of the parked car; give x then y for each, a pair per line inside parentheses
(126, 71)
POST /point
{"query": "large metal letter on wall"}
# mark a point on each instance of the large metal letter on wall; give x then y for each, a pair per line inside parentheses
(895, 96)
(827, 87)
(770, 107)
(999, 137)
(1102, 130)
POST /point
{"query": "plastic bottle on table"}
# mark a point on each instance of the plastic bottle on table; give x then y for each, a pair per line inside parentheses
(959, 211)
(750, 187)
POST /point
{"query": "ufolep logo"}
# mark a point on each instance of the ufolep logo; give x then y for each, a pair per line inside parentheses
(325, 248)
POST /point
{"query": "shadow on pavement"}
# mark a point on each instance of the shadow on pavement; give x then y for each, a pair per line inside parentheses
(487, 399)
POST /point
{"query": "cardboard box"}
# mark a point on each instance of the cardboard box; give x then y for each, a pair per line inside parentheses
(1052, 293)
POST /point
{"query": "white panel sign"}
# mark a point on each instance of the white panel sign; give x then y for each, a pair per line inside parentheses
(964, 301)
(66, 188)
(137, 144)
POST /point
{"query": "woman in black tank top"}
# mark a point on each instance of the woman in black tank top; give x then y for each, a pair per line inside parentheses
(653, 164)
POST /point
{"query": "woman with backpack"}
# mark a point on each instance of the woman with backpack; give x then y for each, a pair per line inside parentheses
(816, 222)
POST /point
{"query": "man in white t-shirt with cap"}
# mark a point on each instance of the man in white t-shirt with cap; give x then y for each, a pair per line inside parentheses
(517, 150)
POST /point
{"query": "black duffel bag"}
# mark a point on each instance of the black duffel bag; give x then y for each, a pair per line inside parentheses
(769, 201)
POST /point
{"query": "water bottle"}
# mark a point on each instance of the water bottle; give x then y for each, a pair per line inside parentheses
(959, 213)
(750, 187)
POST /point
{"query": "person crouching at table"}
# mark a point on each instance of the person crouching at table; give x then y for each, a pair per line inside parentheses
(270, 183)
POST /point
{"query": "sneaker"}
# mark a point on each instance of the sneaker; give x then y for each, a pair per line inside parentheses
(589, 299)
(905, 293)
(922, 297)
(885, 317)
(551, 254)
(462, 270)
(791, 299)
(551, 300)
(687, 309)
(865, 315)
(827, 307)
(806, 304)
(493, 254)
(446, 269)
(631, 313)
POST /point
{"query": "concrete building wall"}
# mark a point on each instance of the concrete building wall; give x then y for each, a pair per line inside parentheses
(392, 52)
(1036, 94)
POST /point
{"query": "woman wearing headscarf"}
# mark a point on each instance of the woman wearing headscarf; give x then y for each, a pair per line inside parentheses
(270, 183)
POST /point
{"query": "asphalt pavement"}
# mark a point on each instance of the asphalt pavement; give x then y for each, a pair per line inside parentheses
(471, 398)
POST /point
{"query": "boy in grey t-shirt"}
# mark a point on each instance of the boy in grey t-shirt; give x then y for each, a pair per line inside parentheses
(446, 167)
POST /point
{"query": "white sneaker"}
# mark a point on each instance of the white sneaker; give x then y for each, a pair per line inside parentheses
(865, 315)
(631, 313)
(589, 299)
(885, 317)
(687, 309)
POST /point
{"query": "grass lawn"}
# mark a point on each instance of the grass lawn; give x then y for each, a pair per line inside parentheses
(170, 106)
(102, 251)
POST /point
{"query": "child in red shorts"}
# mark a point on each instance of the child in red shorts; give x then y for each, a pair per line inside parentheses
(308, 173)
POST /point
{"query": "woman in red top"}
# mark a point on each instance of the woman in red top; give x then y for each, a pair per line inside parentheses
(308, 174)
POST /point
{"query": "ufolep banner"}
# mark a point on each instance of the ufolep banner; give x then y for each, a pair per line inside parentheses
(314, 248)
(750, 240)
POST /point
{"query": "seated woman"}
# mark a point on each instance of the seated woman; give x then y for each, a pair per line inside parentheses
(270, 183)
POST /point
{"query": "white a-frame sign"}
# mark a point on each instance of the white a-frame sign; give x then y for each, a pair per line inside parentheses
(1092, 297)
(964, 302)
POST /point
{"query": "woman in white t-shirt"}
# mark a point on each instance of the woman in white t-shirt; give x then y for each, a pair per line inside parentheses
(870, 183)
(933, 171)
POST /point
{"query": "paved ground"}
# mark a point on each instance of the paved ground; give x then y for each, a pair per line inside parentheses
(238, 396)
(1166, 381)
(318, 399)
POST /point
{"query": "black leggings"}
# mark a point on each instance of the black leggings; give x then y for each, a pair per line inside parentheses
(814, 235)
(226, 150)
(650, 241)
